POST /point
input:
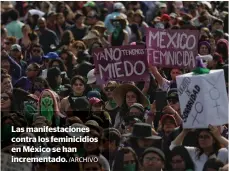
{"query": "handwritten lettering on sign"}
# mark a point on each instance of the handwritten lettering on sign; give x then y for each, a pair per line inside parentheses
(172, 48)
(128, 63)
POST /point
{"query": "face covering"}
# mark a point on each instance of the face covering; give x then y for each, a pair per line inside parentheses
(30, 110)
(117, 29)
(129, 167)
(47, 108)
(112, 103)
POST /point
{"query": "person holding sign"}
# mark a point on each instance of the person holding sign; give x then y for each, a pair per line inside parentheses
(209, 144)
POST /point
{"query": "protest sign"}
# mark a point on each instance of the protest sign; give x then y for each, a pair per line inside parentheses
(126, 63)
(172, 48)
(203, 99)
(7, 164)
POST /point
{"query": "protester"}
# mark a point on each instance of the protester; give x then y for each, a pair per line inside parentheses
(53, 75)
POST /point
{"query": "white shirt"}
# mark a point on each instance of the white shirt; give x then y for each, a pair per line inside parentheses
(199, 162)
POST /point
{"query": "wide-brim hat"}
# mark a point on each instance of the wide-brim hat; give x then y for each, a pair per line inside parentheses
(142, 130)
(100, 24)
(89, 36)
(140, 13)
(119, 18)
(120, 92)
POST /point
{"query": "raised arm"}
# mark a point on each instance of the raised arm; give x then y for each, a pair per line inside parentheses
(156, 74)
(223, 141)
(179, 139)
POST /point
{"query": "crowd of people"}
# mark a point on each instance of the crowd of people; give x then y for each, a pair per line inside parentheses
(48, 78)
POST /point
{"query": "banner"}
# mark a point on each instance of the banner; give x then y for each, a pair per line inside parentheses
(172, 48)
(125, 63)
(203, 99)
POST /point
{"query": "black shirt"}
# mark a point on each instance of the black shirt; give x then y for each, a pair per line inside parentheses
(78, 33)
(48, 38)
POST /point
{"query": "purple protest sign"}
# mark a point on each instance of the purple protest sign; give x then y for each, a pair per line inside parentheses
(124, 63)
(172, 48)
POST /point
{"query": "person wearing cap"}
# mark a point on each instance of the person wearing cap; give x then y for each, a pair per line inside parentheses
(110, 105)
(217, 24)
(153, 159)
(16, 54)
(100, 27)
(139, 20)
(165, 18)
(173, 19)
(92, 40)
(90, 6)
(119, 35)
(162, 8)
(91, 81)
(118, 9)
(14, 26)
(136, 110)
(97, 108)
(141, 138)
(47, 38)
(47, 58)
(79, 30)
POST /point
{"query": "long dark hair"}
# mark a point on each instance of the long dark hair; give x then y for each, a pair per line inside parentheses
(51, 77)
(183, 152)
(119, 159)
(216, 145)
(68, 64)
(124, 108)
(62, 67)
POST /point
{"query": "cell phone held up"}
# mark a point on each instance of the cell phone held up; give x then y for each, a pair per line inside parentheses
(161, 100)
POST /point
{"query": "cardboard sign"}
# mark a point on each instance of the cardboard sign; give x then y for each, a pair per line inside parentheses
(7, 164)
(203, 99)
(126, 63)
(172, 48)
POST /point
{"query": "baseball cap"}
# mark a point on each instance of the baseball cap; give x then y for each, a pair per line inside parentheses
(172, 94)
(162, 5)
(118, 6)
(16, 47)
(91, 78)
(52, 55)
(90, 4)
